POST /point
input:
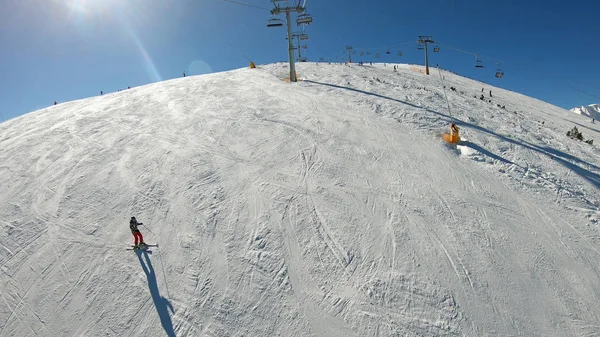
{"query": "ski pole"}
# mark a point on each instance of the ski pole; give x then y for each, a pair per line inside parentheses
(147, 228)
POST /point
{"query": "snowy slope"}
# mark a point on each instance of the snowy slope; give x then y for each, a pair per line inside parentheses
(590, 111)
(328, 207)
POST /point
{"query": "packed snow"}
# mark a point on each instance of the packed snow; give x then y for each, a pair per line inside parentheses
(327, 207)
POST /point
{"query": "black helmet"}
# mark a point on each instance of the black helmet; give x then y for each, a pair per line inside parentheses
(132, 218)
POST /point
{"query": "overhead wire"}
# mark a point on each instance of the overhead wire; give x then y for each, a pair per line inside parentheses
(244, 4)
(479, 56)
(383, 48)
(560, 79)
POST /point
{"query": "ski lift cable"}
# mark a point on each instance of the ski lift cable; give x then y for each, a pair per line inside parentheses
(457, 49)
(559, 79)
(244, 4)
(479, 56)
(384, 48)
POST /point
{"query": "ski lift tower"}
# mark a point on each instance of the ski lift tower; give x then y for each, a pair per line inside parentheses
(424, 40)
(303, 18)
(350, 52)
(300, 36)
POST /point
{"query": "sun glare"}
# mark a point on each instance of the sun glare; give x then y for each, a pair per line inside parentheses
(90, 7)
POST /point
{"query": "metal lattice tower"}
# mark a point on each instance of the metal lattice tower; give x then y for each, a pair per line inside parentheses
(303, 18)
(349, 48)
(424, 40)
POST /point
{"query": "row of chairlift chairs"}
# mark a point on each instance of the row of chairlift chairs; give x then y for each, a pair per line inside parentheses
(479, 64)
(436, 49)
(300, 20)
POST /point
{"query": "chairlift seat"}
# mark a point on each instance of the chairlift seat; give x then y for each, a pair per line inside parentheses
(304, 19)
(274, 23)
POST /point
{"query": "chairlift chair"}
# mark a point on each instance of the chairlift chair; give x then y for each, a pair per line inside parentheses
(303, 19)
(274, 22)
(387, 52)
(499, 72)
(478, 63)
(362, 53)
(399, 53)
(377, 55)
(303, 37)
(436, 49)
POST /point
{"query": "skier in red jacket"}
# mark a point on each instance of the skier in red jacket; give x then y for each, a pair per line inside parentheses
(133, 225)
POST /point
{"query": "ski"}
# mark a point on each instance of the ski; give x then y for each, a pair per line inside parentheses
(144, 247)
(147, 251)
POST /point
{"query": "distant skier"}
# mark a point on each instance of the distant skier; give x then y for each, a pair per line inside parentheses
(491, 93)
(133, 225)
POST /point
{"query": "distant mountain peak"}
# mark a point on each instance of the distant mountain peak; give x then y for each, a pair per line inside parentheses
(591, 111)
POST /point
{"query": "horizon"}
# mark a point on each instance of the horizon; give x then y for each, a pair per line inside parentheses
(77, 48)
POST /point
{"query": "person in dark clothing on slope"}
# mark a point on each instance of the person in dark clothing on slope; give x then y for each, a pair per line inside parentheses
(133, 225)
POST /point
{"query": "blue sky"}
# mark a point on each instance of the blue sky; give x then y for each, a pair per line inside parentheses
(61, 50)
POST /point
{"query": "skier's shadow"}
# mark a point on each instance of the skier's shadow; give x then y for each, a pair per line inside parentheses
(162, 304)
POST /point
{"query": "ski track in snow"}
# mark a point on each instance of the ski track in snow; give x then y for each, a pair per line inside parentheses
(327, 207)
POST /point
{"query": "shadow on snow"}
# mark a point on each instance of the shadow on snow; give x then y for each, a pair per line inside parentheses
(554, 154)
(162, 304)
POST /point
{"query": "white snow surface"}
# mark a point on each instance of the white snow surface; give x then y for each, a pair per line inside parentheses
(327, 207)
(590, 111)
